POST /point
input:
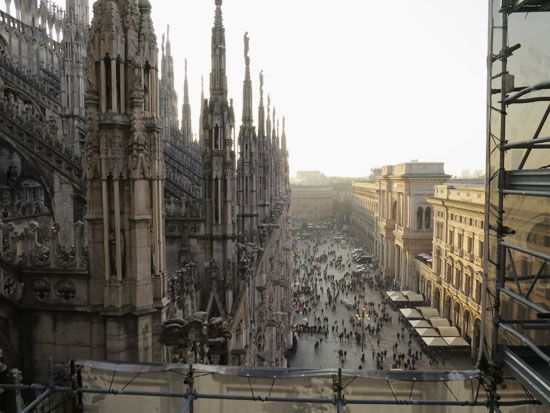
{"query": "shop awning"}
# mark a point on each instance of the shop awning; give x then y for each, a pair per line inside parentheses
(439, 322)
(410, 313)
(456, 342)
(434, 342)
(448, 331)
(419, 324)
(427, 332)
(428, 311)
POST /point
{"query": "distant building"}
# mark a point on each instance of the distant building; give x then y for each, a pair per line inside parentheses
(392, 217)
(310, 178)
(311, 202)
(364, 215)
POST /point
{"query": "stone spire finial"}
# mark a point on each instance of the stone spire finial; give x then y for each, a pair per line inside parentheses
(185, 86)
(274, 131)
(186, 112)
(247, 85)
(261, 86)
(261, 110)
(283, 136)
(218, 78)
(168, 47)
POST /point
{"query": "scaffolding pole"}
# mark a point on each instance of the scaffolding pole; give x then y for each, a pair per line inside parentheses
(514, 182)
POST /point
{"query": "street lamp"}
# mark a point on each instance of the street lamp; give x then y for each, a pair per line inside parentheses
(362, 318)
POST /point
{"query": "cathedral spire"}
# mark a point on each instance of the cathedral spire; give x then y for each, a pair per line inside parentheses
(168, 46)
(274, 132)
(218, 78)
(186, 128)
(268, 120)
(261, 110)
(283, 138)
(247, 86)
(202, 110)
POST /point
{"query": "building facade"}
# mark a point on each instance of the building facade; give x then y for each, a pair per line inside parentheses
(405, 217)
(311, 202)
(452, 281)
(365, 209)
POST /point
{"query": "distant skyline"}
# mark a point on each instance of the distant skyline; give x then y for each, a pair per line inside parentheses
(361, 84)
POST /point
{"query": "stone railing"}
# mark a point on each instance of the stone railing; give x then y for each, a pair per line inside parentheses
(11, 24)
(39, 87)
(20, 248)
(38, 138)
(184, 209)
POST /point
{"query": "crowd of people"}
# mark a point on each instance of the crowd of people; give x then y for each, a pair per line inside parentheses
(332, 304)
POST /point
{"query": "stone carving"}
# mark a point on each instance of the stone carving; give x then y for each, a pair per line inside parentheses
(41, 289)
(65, 289)
(9, 286)
(92, 160)
(20, 247)
(139, 164)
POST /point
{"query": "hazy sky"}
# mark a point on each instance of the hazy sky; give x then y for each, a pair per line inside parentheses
(361, 83)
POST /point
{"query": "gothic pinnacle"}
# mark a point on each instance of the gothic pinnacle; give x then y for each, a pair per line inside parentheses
(218, 78)
(247, 85)
(261, 87)
(261, 110)
(186, 128)
(185, 86)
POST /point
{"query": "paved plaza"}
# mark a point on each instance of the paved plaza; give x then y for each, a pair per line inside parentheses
(326, 355)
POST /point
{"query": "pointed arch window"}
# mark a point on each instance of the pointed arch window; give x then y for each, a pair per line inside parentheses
(216, 137)
(108, 90)
(118, 87)
(216, 200)
(147, 86)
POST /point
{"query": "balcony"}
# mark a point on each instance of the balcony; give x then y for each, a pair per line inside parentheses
(457, 251)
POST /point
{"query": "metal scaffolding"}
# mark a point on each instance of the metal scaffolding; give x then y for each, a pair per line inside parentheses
(188, 388)
(518, 191)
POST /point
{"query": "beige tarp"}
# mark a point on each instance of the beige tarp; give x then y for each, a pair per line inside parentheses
(316, 384)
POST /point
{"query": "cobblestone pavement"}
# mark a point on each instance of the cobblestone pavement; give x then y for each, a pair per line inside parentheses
(326, 356)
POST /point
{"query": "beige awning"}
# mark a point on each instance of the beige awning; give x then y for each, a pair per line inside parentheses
(427, 332)
(456, 342)
(448, 331)
(415, 298)
(397, 296)
(410, 313)
(428, 311)
(434, 341)
(439, 322)
(419, 323)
